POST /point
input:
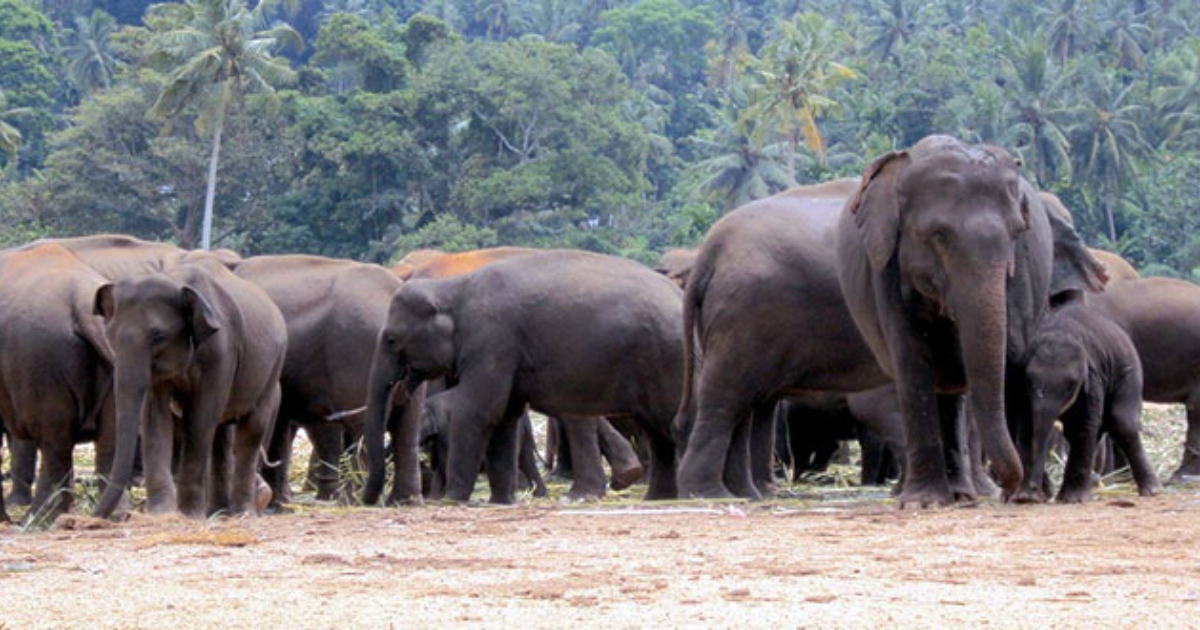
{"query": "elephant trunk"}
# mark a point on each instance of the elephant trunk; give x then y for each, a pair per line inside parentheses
(981, 312)
(131, 391)
(384, 373)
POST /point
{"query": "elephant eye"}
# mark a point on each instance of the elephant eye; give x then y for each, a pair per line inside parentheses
(940, 237)
(157, 337)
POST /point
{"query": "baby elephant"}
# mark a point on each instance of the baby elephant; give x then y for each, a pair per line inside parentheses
(1085, 371)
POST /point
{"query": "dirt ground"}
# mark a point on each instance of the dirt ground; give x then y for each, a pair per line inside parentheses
(839, 558)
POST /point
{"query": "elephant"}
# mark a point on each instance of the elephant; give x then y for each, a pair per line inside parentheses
(1116, 268)
(1162, 318)
(814, 425)
(543, 330)
(334, 310)
(22, 466)
(198, 337)
(56, 373)
(1085, 370)
(428, 263)
(677, 264)
(764, 318)
(948, 260)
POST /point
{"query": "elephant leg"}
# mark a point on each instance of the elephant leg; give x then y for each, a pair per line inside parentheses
(220, 470)
(464, 414)
(201, 422)
(872, 450)
(503, 447)
(926, 481)
(328, 446)
(582, 433)
(951, 415)
(1189, 467)
(23, 467)
(737, 476)
(762, 449)
(158, 447)
(720, 412)
(1081, 428)
(279, 452)
(564, 464)
(663, 484)
(527, 457)
(622, 459)
(406, 442)
(551, 450)
(247, 444)
(52, 493)
(1123, 422)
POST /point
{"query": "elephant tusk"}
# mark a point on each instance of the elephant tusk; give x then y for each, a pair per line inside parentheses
(341, 415)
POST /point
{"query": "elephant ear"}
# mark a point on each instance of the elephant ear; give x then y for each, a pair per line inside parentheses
(877, 210)
(202, 318)
(103, 302)
(1075, 270)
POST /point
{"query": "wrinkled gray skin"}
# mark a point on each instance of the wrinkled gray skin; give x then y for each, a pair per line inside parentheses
(212, 343)
(946, 260)
(765, 319)
(56, 372)
(543, 331)
(334, 310)
(1162, 317)
(1085, 370)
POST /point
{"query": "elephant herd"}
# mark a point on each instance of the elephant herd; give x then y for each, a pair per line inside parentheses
(939, 305)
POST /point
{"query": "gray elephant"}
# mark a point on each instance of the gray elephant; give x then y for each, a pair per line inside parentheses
(948, 261)
(546, 331)
(334, 310)
(1162, 317)
(56, 376)
(199, 337)
(765, 318)
(1085, 370)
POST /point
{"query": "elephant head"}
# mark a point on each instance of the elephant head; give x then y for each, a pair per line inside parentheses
(1056, 371)
(416, 344)
(154, 325)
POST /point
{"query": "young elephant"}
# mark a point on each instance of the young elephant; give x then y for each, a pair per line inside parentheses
(201, 338)
(567, 333)
(1085, 370)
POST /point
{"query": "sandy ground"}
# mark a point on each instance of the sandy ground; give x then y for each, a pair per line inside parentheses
(845, 559)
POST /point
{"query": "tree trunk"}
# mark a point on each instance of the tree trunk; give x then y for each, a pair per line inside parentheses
(206, 230)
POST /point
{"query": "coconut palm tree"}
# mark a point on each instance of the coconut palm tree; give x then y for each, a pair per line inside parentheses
(1037, 111)
(91, 63)
(214, 52)
(796, 73)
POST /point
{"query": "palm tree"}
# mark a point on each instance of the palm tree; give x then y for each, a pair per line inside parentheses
(555, 21)
(502, 17)
(91, 64)
(796, 72)
(1038, 116)
(10, 136)
(215, 50)
(735, 23)
(1108, 141)
(1067, 28)
(893, 26)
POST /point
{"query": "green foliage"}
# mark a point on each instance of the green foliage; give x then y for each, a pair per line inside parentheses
(446, 233)
(358, 54)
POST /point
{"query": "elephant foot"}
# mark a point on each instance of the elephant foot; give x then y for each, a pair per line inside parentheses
(401, 500)
(1184, 477)
(19, 496)
(768, 489)
(1029, 495)
(1149, 489)
(262, 496)
(717, 491)
(1073, 496)
(626, 477)
(985, 486)
(924, 497)
(584, 497)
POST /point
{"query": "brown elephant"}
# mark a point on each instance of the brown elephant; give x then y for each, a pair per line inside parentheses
(544, 331)
(429, 263)
(1085, 371)
(948, 261)
(1162, 317)
(676, 264)
(199, 337)
(56, 376)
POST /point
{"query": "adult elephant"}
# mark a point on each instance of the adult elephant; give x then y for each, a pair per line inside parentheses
(545, 331)
(429, 263)
(676, 264)
(948, 261)
(334, 310)
(1162, 317)
(56, 372)
(814, 425)
(198, 336)
(764, 318)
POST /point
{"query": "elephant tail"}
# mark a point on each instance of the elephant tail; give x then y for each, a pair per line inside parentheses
(693, 301)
